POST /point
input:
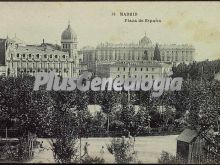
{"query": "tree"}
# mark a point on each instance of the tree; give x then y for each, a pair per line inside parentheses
(142, 120)
(127, 113)
(156, 53)
(109, 100)
(65, 129)
(122, 151)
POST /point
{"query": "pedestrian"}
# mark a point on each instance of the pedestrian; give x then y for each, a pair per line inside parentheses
(102, 152)
(86, 153)
(41, 146)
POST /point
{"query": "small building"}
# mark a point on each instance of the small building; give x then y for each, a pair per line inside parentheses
(217, 76)
(191, 143)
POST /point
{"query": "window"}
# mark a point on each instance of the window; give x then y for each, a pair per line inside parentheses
(118, 68)
(135, 69)
(55, 56)
(146, 69)
(29, 55)
(141, 69)
(23, 55)
(18, 55)
(176, 58)
(64, 56)
(152, 76)
(45, 56)
(152, 69)
(37, 55)
(124, 68)
(51, 56)
(146, 76)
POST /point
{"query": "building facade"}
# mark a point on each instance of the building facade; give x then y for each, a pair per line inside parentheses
(144, 50)
(18, 58)
(142, 69)
(136, 59)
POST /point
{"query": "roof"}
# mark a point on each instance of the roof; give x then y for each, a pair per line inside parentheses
(40, 49)
(68, 34)
(187, 135)
(145, 41)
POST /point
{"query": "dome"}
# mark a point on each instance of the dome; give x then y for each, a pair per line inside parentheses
(145, 41)
(69, 34)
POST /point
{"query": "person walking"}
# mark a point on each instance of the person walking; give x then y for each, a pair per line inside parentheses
(86, 153)
(102, 152)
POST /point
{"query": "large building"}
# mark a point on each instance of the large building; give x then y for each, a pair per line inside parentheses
(17, 57)
(142, 51)
(117, 59)
(133, 69)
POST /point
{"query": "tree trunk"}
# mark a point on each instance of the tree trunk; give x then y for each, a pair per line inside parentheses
(107, 122)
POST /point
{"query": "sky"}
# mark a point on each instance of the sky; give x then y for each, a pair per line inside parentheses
(195, 23)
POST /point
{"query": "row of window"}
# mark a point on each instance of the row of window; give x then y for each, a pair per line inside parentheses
(38, 56)
(141, 69)
(40, 70)
(175, 58)
(118, 52)
(136, 76)
(144, 57)
(58, 65)
(118, 57)
(67, 46)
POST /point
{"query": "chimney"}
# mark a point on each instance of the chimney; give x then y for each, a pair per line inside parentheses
(43, 40)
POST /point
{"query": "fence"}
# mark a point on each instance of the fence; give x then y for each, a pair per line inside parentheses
(152, 132)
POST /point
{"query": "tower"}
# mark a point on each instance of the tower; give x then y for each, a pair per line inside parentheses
(69, 42)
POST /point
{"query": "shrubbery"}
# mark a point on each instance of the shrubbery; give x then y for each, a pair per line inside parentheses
(122, 151)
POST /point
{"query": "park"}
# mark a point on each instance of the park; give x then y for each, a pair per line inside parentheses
(127, 127)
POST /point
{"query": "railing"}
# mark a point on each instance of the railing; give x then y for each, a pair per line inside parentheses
(152, 132)
(9, 133)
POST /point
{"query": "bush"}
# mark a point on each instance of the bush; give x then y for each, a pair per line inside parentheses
(91, 160)
(122, 151)
(167, 158)
(64, 150)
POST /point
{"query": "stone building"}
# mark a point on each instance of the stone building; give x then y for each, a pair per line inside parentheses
(144, 69)
(143, 51)
(144, 58)
(17, 58)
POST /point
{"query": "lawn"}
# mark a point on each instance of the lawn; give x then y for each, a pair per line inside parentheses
(148, 148)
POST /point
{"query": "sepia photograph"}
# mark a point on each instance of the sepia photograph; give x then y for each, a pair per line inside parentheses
(127, 82)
